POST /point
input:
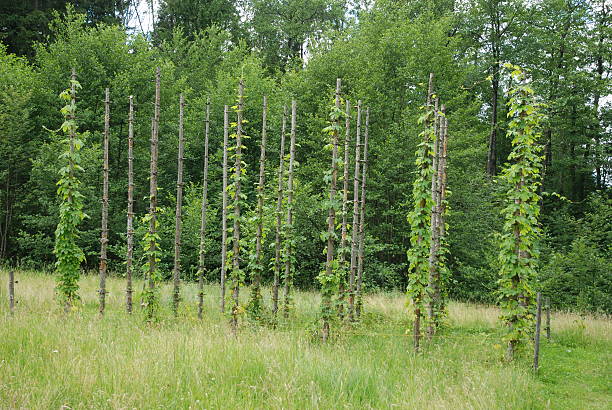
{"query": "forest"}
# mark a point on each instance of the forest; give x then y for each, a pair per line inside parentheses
(309, 177)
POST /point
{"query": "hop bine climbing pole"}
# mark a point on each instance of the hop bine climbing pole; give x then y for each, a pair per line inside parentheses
(288, 231)
(130, 210)
(176, 272)
(328, 277)
(104, 230)
(150, 297)
(355, 227)
(420, 219)
(237, 275)
(521, 177)
(361, 249)
(68, 253)
(256, 298)
(225, 203)
(343, 249)
(279, 215)
(202, 249)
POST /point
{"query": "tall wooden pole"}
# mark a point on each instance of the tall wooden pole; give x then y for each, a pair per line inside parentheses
(435, 216)
(289, 227)
(153, 182)
(331, 223)
(547, 318)
(441, 215)
(417, 308)
(176, 272)
(344, 228)
(130, 210)
(360, 257)
(236, 234)
(201, 262)
(104, 233)
(279, 212)
(256, 285)
(355, 232)
(224, 207)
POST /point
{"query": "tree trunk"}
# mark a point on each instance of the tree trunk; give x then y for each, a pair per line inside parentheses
(236, 234)
(104, 233)
(359, 296)
(176, 273)
(331, 223)
(355, 228)
(153, 181)
(344, 228)
(279, 211)
(130, 209)
(201, 262)
(492, 153)
(224, 210)
(289, 226)
(256, 285)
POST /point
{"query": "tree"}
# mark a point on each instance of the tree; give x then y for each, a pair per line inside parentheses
(27, 21)
(194, 16)
(282, 28)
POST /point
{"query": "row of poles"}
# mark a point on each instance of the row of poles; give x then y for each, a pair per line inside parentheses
(355, 275)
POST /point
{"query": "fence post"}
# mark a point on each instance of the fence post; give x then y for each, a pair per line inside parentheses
(11, 291)
(547, 318)
(536, 352)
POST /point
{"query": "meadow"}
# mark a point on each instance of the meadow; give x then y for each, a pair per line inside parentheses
(52, 360)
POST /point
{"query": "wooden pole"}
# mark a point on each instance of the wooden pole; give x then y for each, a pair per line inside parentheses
(435, 217)
(153, 182)
(441, 215)
(104, 233)
(279, 212)
(289, 226)
(417, 309)
(236, 233)
(547, 318)
(360, 256)
(176, 272)
(344, 227)
(355, 232)
(536, 351)
(201, 264)
(331, 223)
(256, 298)
(224, 207)
(130, 210)
(11, 289)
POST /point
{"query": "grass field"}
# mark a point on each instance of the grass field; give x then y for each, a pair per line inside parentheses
(50, 360)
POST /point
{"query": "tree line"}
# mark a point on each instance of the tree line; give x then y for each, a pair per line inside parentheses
(384, 57)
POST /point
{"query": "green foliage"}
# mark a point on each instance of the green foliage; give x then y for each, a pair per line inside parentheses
(151, 253)
(518, 256)
(577, 276)
(330, 282)
(420, 217)
(69, 255)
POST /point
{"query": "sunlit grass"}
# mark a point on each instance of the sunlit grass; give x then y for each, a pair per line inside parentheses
(48, 359)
